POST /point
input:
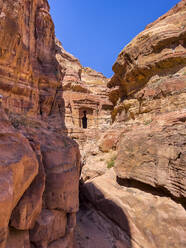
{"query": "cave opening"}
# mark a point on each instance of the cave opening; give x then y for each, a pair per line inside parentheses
(84, 120)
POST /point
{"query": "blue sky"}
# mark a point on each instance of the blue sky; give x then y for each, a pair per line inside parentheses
(95, 31)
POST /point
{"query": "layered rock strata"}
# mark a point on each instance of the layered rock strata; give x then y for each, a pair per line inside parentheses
(144, 195)
(139, 203)
(39, 164)
(85, 94)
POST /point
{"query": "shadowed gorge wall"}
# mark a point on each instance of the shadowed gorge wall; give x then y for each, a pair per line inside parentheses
(39, 165)
(132, 139)
(137, 166)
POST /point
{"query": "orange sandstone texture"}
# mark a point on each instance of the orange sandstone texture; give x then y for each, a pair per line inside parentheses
(18, 168)
(144, 195)
(84, 90)
(46, 92)
(85, 93)
(39, 164)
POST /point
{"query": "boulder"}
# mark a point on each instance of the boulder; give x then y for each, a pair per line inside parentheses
(18, 168)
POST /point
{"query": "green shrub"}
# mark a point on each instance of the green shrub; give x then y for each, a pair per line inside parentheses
(111, 162)
(147, 122)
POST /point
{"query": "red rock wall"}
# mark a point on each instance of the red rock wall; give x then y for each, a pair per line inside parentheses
(156, 105)
(139, 203)
(29, 73)
(84, 89)
(39, 164)
(144, 194)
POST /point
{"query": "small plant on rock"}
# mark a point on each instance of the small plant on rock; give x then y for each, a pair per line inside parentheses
(147, 122)
(111, 162)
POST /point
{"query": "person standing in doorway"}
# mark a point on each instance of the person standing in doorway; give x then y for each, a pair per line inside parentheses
(84, 119)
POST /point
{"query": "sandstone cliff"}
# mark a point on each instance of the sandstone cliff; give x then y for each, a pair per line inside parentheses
(143, 197)
(85, 95)
(39, 164)
(136, 126)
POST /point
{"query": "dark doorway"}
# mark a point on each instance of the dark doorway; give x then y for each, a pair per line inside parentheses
(84, 119)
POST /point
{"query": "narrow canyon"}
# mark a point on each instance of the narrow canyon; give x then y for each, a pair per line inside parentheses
(88, 161)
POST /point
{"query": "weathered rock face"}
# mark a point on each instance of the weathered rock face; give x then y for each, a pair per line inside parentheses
(87, 109)
(85, 95)
(50, 226)
(18, 167)
(29, 74)
(17, 239)
(158, 50)
(144, 218)
(155, 154)
(154, 110)
(139, 203)
(39, 164)
(144, 195)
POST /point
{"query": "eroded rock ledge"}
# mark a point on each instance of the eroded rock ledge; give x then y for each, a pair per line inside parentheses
(144, 193)
(140, 203)
(39, 164)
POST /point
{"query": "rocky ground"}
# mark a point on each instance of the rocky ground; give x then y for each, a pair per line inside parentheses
(133, 146)
(39, 164)
(144, 195)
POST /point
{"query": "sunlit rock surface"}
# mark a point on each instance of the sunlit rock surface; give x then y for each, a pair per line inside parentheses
(85, 93)
(131, 137)
(39, 164)
(144, 194)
